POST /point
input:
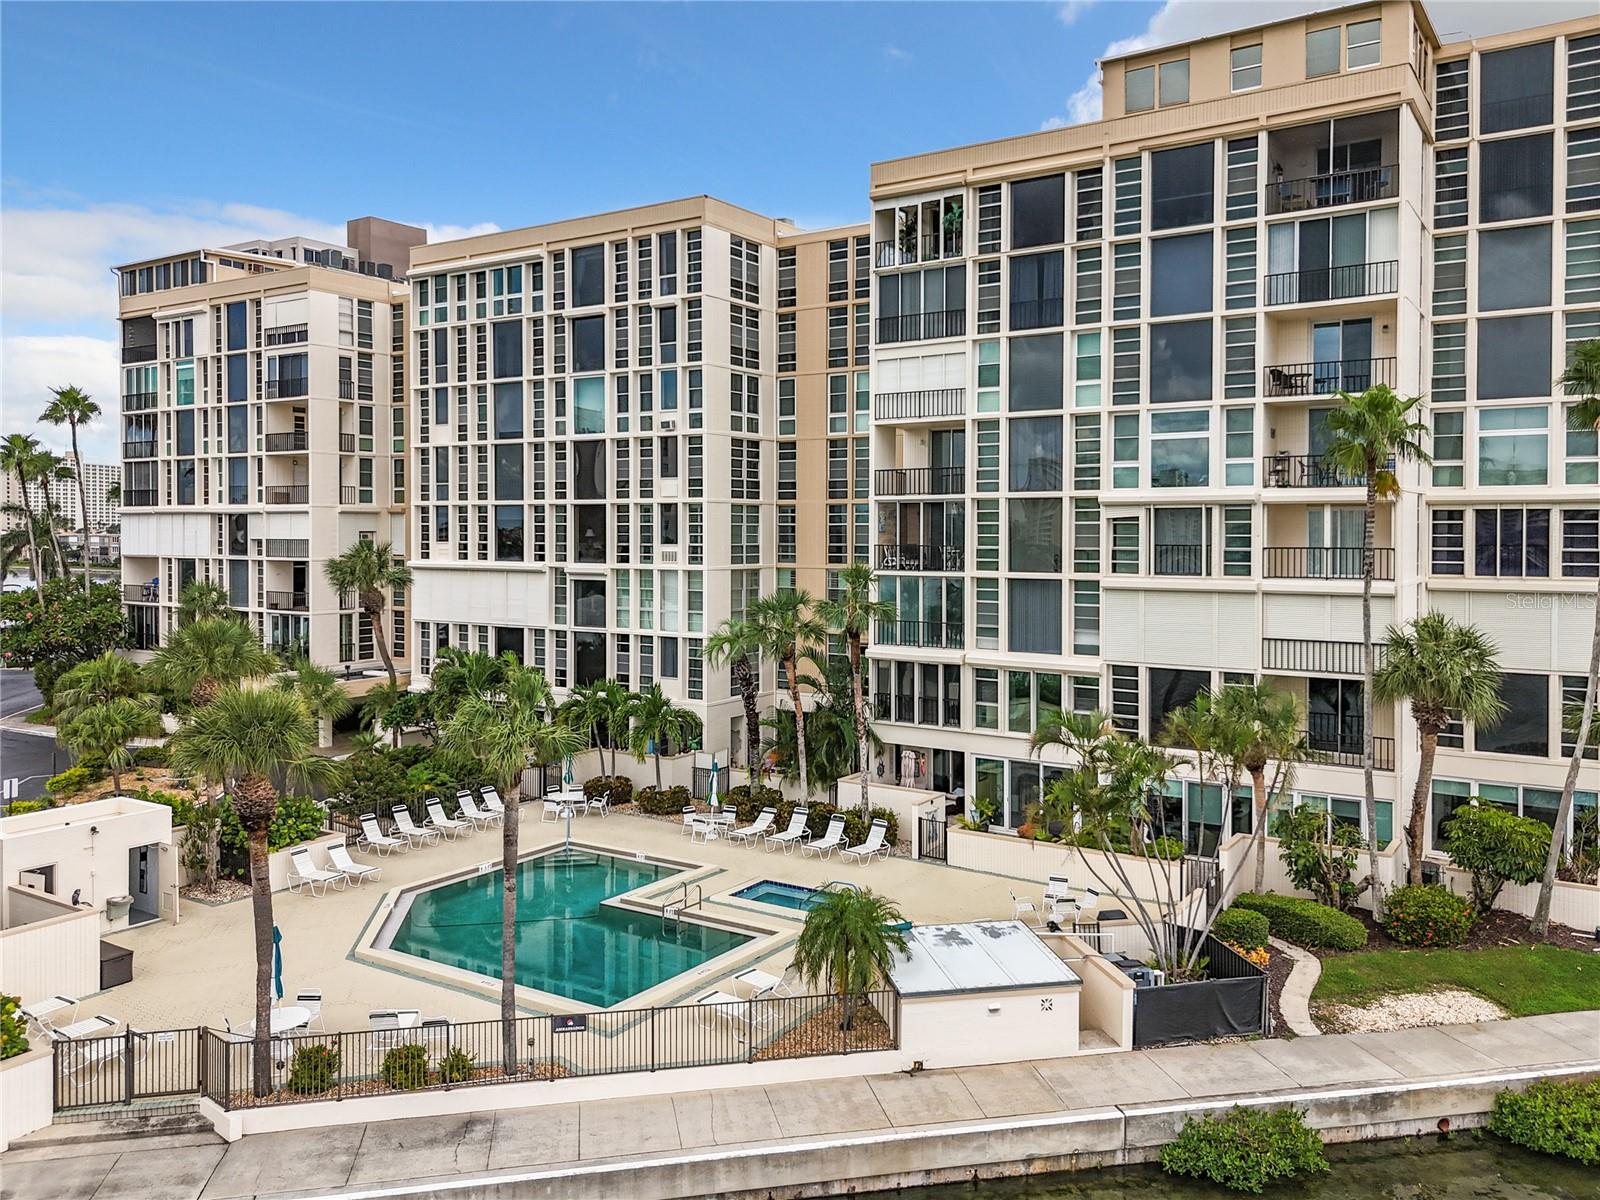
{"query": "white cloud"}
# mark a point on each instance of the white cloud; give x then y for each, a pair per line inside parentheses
(1069, 12)
(449, 233)
(897, 55)
(32, 365)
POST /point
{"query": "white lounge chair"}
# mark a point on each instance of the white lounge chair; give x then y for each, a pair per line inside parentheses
(876, 843)
(408, 829)
(793, 834)
(305, 873)
(91, 1054)
(451, 827)
(492, 803)
(764, 983)
(47, 1012)
(339, 858)
(312, 1003)
(374, 838)
(389, 1025)
(757, 829)
(468, 803)
(92, 1027)
(741, 1014)
(1059, 889)
(832, 838)
(550, 809)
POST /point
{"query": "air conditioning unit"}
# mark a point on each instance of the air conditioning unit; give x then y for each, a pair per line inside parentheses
(668, 426)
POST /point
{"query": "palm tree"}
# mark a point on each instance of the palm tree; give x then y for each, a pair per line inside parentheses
(621, 704)
(250, 737)
(1582, 379)
(201, 600)
(788, 631)
(319, 690)
(737, 642)
(201, 659)
(460, 673)
(853, 613)
(48, 468)
(848, 945)
(500, 731)
(831, 750)
(1443, 669)
(381, 700)
(602, 705)
(72, 407)
(370, 570)
(105, 729)
(98, 681)
(658, 722)
(1371, 434)
(16, 456)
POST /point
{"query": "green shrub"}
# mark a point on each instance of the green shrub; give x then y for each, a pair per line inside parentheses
(1552, 1117)
(299, 819)
(663, 802)
(748, 801)
(1242, 927)
(1247, 1149)
(1305, 922)
(1498, 847)
(313, 1070)
(406, 1067)
(371, 782)
(1427, 914)
(13, 1028)
(150, 756)
(1318, 859)
(70, 782)
(182, 806)
(456, 1066)
(17, 807)
(620, 787)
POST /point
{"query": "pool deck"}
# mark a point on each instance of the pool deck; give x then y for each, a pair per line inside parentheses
(810, 1138)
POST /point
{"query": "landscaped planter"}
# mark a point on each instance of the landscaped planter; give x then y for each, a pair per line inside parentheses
(25, 1092)
(1231, 1003)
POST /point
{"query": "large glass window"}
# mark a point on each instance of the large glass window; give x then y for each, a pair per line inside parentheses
(1139, 89)
(1035, 454)
(1516, 88)
(589, 405)
(1180, 362)
(1322, 52)
(1180, 449)
(1180, 275)
(588, 275)
(508, 349)
(1173, 78)
(1035, 616)
(1035, 538)
(1514, 357)
(1509, 542)
(1036, 290)
(508, 472)
(1170, 691)
(1514, 178)
(1513, 446)
(1036, 373)
(588, 343)
(1181, 186)
(508, 410)
(1038, 211)
(1245, 67)
(1514, 267)
(508, 519)
(1525, 727)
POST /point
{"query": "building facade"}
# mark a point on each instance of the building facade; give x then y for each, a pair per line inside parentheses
(98, 479)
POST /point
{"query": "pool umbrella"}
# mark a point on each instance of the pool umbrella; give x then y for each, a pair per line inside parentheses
(568, 779)
(277, 961)
(712, 799)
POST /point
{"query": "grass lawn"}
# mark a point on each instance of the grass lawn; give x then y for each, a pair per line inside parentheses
(1523, 980)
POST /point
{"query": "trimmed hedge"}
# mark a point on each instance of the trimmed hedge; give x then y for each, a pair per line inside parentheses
(1427, 915)
(1553, 1118)
(663, 802)
(620, 787)
(1242, 927)
(1305, 922)
(748, 801)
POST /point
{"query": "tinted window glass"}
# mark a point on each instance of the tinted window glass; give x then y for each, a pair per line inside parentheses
(508, 410)
(1516, 88)
(589, 602)
(1524, 729)
(1139, 89)
(1181, 186)
(1514, 267)
(1035, 454)
(1036, 372)
(1180, 362)
(1170, 691)
(588, 343)
(508, 532)
(507, 349)
(236, 326)
(508, 472)
(589, 470)
(1036, 288)
(1322, 52)
(1035, 612)
(1180, 275)
(588, 276)
(1038, 211)
(1034, 542)
(1514, 357)
(1515, 178)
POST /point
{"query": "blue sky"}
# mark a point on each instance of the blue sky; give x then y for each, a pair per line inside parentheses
(135, 129)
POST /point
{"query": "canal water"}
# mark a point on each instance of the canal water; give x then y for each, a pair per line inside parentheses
(1468, 1166)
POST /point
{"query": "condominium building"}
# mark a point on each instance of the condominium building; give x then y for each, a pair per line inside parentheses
(604, 410)
(98, 479)
(263, 428)
(1104, 360)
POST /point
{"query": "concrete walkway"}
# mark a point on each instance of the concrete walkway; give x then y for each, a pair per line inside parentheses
(805, 1138)
(1294, 1002)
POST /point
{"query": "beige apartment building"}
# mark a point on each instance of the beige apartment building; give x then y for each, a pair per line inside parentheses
(98, 479)
(1103, 361)
(263, 429)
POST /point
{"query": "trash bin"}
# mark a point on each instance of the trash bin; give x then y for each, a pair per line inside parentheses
(116, 965)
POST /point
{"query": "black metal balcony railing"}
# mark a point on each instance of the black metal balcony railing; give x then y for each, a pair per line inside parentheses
(915, 327)
(347, 443)
(1314, 656)
(1327, 377)
(1036, 314)
(348, 495)
(1324, 562)
(1336, 187)
(920, 481)
(1335, 741)
(297, 493)
(287, 547)
(139, 449)
(1178, 558)
(138, 497)
(890, 254)
(900, 556)
(138, 401)
(275, 443)
(936, 402)
(1322, 284)
(141, 593)
(1309, 471)
(287, 601)
(287, 389)
(139, 354)
(937, 635)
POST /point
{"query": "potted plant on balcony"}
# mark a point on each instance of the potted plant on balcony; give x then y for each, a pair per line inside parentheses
(953, 214)
(908, 234)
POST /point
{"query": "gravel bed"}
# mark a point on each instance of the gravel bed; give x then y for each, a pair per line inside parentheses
(1409, 1010)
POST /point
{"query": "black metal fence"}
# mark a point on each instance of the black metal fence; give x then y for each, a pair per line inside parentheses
(933, 837)
(125, 1067)
(1231, 1002)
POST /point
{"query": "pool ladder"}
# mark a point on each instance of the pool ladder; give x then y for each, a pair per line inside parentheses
(672, 913)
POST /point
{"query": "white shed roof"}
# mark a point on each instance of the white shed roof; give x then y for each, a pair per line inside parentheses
(979, 956)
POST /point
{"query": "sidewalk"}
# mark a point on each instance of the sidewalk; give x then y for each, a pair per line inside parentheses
(783, 1136)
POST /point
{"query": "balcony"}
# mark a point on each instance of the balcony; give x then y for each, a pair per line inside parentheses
(1323, 562)
(287, 601)
(903, 557)
(287, 389)
(287, 547)
(920, 481)
(138, 497)
(939, 635)
(296, 493)
(139, 449)
(1036, 314)
(1320, 285)
(278, 443)
(141, 593)
(347, 443)
(348, 495)
(138, 401)
(1325, 378)
(286, 335)
(1333, 742)
(1335, 188)
(912, 406)
(139, 354)
(1178, 558)
(1314, 656)
(1309, 471)
(917, 327)
(347, 389)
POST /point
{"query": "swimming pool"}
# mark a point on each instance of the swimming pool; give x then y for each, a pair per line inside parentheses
(782, 895)
(568, 942)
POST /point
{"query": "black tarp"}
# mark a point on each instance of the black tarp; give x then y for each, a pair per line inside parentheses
(1206, 1008)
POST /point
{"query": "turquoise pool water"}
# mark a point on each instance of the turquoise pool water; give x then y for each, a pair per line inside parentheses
(567, 942)
(783, 895)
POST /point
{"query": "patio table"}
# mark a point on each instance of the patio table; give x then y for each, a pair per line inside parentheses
(283, 1019)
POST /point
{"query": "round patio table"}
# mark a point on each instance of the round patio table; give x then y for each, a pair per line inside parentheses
(283, 1019)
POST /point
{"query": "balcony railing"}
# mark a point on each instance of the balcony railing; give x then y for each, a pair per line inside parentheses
(943, 635)
(347, 389)
(138, 354)
(138, 401)
(936, 402)
(1322, 284)
(915, 327)
(899, 556)
(1178, 558)
(347, 443)
(1036, 314)
(286, 335)
(139, 449)
(1332, 741)
(1324, 562)
(275, 443)
(287, 601)
(1327, 377)
(287, 389)
(138, 497)
(1336, 187)
(1314, 657)
(287, 547)
(1309, 471)
(298, 493)
(141, 593)
(920, 481)
(348, 495)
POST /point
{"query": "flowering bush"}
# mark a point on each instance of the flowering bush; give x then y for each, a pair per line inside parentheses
(1427, 915)
(1260, 956)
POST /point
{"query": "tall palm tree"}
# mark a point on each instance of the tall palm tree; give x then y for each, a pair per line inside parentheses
(1371, 434)
(1442, 668)
(620, 706)
(737, 642)
(789, 632)
(852, 614)
(48, 468)
(602, 705)
(248, 737)
(658, 722)
(17, 453)
(201, 659)
(105, 729)
(1581, 379)
(98, 681)
(370, 570)
(848, 945)
(500, 731)
(319, 690)
(72, 407)
(201, 600)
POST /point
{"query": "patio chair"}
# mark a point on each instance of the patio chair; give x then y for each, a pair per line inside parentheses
(339, 859)
(764, 983)
(451, 827)
(876, 843)
(312, 1003)
(374, 838)
(92, 1027)
(741, 1014)
(832, 838)
(1023, 910)
(757, 829)
(550, 807)
(468, 804)
(793, 834)
(600, 804)
(389, 1026)
(45, 1013)
(408, 829)
(692, 822)
(435, 1034)
(1059, 888)
(96, 1053)
(305, 873)
(492, 804)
